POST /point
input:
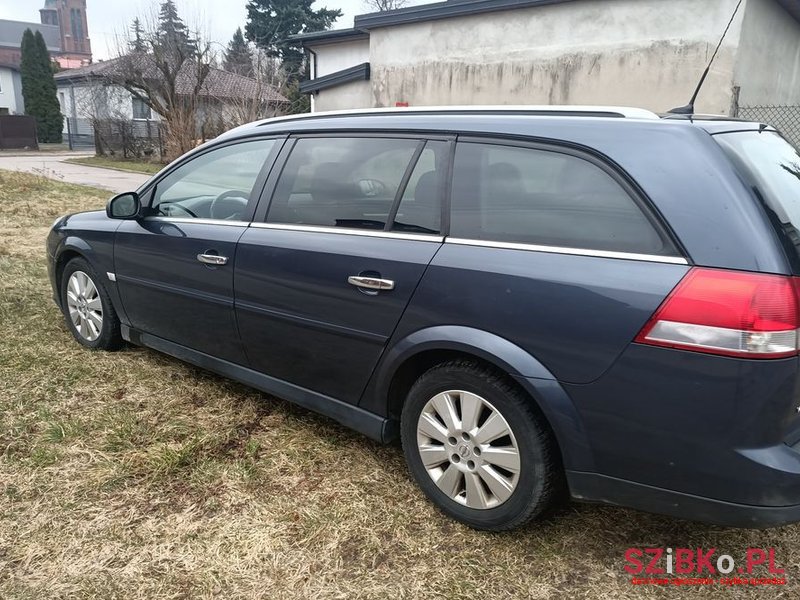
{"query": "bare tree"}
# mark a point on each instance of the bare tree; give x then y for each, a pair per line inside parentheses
(384, 5)
(105, 108)
(263, 99)
(168, 76)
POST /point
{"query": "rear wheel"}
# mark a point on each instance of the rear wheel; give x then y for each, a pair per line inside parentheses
(477, 447)
(87, 308)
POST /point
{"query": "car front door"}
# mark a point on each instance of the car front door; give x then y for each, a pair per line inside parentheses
(174, 268)
(322, 281)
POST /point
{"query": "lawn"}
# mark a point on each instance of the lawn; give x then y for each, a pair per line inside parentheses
(123, 164)
(132, 475)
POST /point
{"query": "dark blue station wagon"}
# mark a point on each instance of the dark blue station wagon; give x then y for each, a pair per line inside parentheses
(535, 301)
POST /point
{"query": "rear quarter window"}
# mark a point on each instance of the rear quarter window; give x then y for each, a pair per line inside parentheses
(531, 196)
(771, 166)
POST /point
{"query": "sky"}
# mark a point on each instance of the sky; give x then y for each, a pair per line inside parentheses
(216, 19)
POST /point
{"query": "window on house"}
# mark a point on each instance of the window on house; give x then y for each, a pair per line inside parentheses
(140, 109)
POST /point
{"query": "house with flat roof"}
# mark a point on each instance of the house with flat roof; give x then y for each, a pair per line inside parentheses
(647, 53)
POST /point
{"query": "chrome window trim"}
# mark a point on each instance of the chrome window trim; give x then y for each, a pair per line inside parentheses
(672, 260)
(198, 221)
(420, 237)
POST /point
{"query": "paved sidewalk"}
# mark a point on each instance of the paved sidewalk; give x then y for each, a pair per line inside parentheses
(50, 164)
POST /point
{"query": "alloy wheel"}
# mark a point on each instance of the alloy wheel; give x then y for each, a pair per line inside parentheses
(468, 449)
(84, 306)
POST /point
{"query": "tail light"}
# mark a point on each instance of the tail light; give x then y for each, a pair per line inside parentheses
(730, 313)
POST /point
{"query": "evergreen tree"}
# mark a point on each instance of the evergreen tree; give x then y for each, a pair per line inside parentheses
(137, 43)
(271, 22)
(238, 57)
(172, 32)
(39, 88)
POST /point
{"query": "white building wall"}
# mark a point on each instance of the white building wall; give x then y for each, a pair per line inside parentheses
(646, 53)
(330, 58)
(356, 94)
(340, 56)
(11, 91)
(768, 66)
(87, 100)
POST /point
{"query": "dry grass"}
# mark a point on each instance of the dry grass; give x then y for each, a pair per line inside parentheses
(133, 475)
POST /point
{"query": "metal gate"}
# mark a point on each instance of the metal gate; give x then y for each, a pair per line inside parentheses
(80, 134)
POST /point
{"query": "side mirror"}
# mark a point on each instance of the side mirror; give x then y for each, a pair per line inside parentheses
(124, 206)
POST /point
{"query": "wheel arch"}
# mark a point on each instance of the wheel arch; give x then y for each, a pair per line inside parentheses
(71, 248)
(77, 247)
(411, 356)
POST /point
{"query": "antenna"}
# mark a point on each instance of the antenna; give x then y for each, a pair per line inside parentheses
(689, 108)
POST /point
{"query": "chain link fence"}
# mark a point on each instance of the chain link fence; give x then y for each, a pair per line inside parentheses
(136, 138)
(785, 119)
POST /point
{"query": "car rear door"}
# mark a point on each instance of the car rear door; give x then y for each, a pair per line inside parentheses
(550, 248)
(322, 280)
(174, 268)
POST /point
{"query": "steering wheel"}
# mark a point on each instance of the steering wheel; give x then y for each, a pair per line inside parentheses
(372, 187)
(172, 205)
(229, 204)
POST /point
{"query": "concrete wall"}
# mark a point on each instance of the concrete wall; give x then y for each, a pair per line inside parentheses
(11, 91)
(768, 66)
(331, 58)
(340, 56)
(646, 53)
(357, 94)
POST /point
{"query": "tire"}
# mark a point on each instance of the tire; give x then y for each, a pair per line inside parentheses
(484, 492)
(81, 294)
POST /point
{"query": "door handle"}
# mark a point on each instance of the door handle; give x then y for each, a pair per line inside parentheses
(371, 283)
(212, 259)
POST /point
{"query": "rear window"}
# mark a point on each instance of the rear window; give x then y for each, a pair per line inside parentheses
(772, 167)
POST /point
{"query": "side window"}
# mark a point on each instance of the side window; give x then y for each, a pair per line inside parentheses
(140, 109)
(420, 209)
(523, 195)
(215, 185)
(341, 182)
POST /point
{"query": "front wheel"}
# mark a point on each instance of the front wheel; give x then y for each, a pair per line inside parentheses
(477, 447)
(87, 308)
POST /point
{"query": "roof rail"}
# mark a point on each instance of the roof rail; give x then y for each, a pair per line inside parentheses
(532, 110)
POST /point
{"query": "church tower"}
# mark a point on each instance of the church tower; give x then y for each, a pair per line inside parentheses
(70, 17)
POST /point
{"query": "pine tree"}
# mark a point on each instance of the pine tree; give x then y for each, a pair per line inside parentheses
(238, 57)
(271, 22)
(39, 88)
(172, 32)
(137, 43)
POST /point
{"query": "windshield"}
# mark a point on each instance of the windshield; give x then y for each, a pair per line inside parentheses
(772, 166)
